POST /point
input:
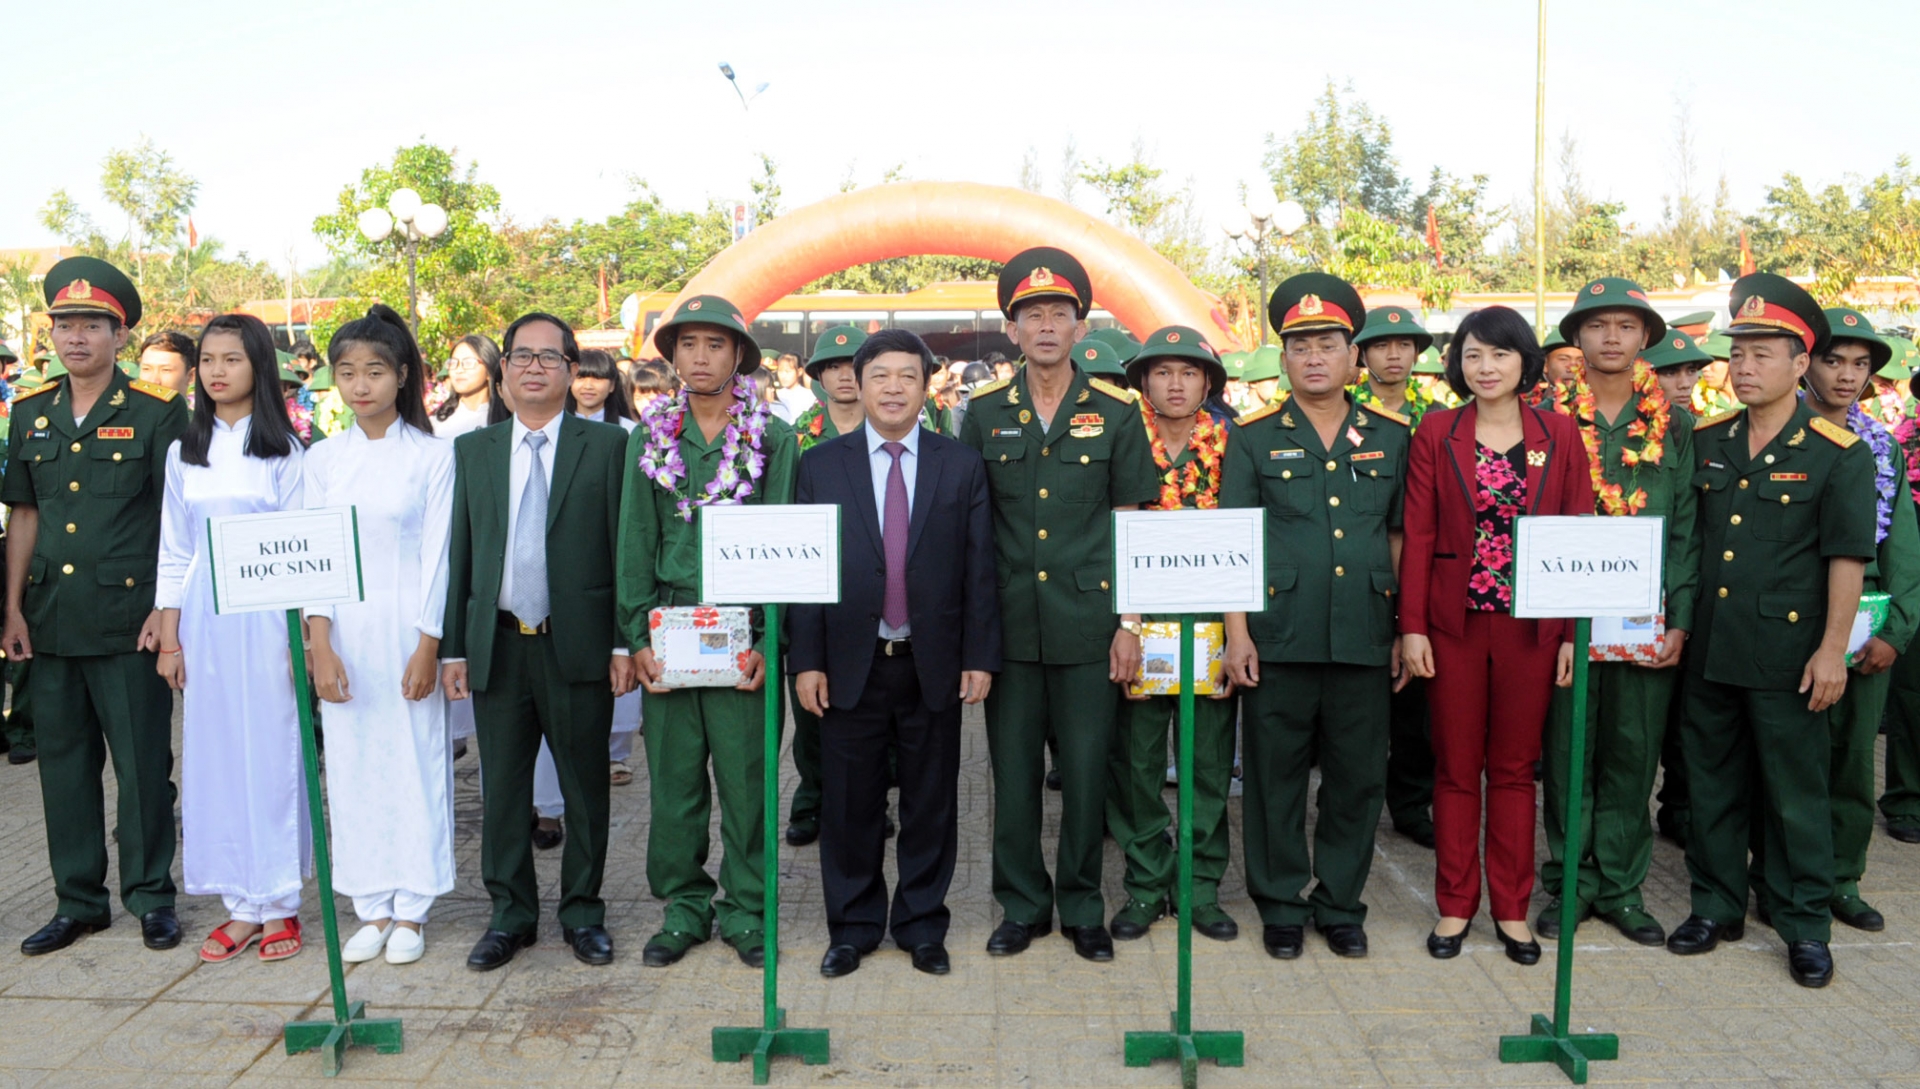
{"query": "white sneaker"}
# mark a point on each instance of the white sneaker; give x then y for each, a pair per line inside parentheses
(405, 946)
(366, 944)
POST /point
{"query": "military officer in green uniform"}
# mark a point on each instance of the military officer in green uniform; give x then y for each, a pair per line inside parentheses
(1063, 451)
(1317, 668)
(1176, 374)
(692, 732)
(1645, 466)
(1786, 522)
(86, 470)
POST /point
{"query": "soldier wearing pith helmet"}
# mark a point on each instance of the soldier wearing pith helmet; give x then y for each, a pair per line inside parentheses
(1063, 449)
(1316, 667)
(1390, 345)
(1786, 504)
(85, 478)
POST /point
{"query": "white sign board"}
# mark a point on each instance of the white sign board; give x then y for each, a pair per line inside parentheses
(770, 555)
(1587, 566)
(1190, 561)
(295, 559)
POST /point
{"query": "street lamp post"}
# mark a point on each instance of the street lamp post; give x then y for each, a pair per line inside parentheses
(1268, 217)
(416, 222)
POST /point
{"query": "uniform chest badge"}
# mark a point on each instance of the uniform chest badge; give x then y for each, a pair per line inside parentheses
(1087, 425)
(114, 433)
(1354, 436)
(1006, 432)
(1786, 476)
(1285, 455)
(1370, 455)
(41, 434)
(41, 422)
(1025, 416)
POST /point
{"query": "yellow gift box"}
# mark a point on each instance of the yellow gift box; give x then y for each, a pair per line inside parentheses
(1160, 659)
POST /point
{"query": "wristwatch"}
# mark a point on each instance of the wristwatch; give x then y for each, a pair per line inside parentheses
(1135, 627)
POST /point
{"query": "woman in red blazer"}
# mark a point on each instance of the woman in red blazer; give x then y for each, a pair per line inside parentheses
(1471, 471)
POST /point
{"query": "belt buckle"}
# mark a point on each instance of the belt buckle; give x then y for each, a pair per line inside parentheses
(892, 643)
(524, 629)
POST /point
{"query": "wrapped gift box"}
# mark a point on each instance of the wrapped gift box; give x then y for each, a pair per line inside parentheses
(701, 646)
(1160, 659)
(1626, 638)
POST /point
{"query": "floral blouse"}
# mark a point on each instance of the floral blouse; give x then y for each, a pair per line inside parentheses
(1499, 494)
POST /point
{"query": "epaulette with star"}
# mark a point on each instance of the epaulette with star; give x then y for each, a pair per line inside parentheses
(48, 388)
(994, 386)
(1720, 419)
(1261, 413)
(1389, 414)
(1832, 432)
(154, 389)
(1127, 396)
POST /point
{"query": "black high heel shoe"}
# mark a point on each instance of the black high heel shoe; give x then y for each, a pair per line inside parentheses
(1446, 947)
(1519, 952)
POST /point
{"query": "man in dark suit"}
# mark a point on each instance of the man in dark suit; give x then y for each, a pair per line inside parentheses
(530, 629)
(916, 633)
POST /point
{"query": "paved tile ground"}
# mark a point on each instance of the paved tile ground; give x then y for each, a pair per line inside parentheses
(108, 1012)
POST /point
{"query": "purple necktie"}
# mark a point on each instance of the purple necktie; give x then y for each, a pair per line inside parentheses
(893, 533)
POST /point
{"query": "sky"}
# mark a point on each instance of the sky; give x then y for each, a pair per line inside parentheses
(275, 107)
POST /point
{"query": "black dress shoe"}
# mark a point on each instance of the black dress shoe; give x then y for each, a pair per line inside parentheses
(57, 935)
(1090, 942)
(1700, 935)
(667, 947)
(497, 947)
(1634, 921)
(1283, 942)
(1441, 947)
(546, 839)
(160, 928)
(841, 960)
(1346, 939)
(1547, 923)
(1010, 938)
(1519, 952)
(1810, 963)
(1857, 913)
(1904, 832)
(18, 756)
(931, 958)
(1418, 833)
(591, 944)
(751, 948)
(802, 832)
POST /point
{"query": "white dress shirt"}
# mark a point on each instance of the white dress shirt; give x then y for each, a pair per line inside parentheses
(881, 464)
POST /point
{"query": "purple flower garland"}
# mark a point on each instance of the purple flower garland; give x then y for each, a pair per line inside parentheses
(1881, 441)
(741, 459)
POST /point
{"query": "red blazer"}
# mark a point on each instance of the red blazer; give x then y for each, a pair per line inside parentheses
(1438, 554)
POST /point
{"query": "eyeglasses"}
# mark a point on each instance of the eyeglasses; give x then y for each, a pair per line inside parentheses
(549, 360)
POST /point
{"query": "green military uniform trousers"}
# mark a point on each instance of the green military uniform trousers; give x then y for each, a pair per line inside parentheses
(1759, 751)
(1080, 702)
(1627, 709)
(1673, 766)
(1900, 803)
(689, 730)
(1298, 711)
(806, 755)
(526, 699)
(1855, 722)
(89, 708)
(1410, 758)
(1137, 811)
(19, 731)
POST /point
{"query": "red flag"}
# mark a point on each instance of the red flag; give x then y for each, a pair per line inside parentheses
(1433, 237)
(1747, 267)
(193, 236)
(603, 294)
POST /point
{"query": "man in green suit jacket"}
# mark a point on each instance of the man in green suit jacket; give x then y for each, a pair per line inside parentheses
(530, 630)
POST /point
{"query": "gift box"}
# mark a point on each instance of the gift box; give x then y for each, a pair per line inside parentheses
(701, 646)
(1867, 623)
(1626, 638)
(1160, 659)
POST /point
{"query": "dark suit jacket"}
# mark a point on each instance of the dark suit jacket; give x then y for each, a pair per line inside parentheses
(953, 602)
(1438, 555)
(583, 526)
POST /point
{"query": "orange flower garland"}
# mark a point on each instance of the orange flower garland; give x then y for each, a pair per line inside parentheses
(1199, 478)
(1650, 427)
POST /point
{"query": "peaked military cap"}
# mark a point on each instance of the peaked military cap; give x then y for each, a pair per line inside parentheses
(836, 344)
(1097, 357)
(1041, 272)
(1123, 345)
(1314, 301)
(1394, 321)
(1178, 342)
(1674, 349)
(1850, 324)
(1765, 304)
(1611, 293)
(708, 310)
(88, 285)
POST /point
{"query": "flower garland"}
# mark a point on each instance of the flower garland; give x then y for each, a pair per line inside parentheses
(1419, 401)
(1650, 427)
(741, 460)
(811, 426)
(1199, 479)
(1884, 484)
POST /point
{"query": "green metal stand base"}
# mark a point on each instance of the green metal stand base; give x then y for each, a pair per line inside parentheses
(1571, 1052)
(1224, 1048)
(334, 1037)
(730, 1045)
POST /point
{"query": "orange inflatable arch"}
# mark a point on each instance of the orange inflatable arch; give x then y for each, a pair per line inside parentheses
(1137, 285)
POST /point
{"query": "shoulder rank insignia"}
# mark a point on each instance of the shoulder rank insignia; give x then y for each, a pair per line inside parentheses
(1113, 391)
(1259, 414)
(153, 389)
(994, 386)
(1389, 414)
(1716, 421)
(1832, 432)
(48, 388)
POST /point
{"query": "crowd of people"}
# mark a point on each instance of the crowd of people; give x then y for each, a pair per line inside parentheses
(529, 522)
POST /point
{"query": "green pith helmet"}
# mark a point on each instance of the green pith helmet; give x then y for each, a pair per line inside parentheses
(836, 344)
(1177, 342)
(1851, 324)
(1429, 363)
(1717, 345)
(1553, 340)
(88, 285)
(709, 310)
(1702, 318)
(1263, 364)
(1125, 348)
(1674, 349)
(7, 354)
(1393, 321)
(1097, 357)
(1315, 301)
(287, 373)
(1043, 271)
(1766, 304)
(50, 367)
(321, 380)
(1611, 293)
(1905, 354)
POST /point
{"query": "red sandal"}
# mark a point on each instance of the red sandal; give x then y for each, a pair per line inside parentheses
(290, 932)
(229, 948)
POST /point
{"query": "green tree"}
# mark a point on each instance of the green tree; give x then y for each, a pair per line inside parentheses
(1140, 202)
(1842, 232)
(1341, 158)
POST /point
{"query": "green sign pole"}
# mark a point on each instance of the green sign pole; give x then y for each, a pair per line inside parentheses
(1550, 1041)
(772, 1037)
(350, 1025)
(1182, 1043)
